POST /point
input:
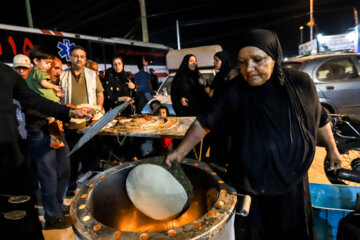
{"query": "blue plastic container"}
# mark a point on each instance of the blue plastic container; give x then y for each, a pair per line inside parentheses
(330, 203)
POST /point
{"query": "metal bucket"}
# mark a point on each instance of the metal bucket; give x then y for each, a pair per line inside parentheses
(102, 209)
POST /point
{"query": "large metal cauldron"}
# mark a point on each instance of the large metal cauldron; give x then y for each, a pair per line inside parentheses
(102, 209)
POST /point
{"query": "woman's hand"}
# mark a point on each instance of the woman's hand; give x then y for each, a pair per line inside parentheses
(335, 159)
(130, 84)
(192, 137)
(326, 138)
(173, 156)
(184, 101)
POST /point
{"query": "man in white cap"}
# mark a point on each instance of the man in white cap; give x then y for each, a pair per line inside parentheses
(22, 65)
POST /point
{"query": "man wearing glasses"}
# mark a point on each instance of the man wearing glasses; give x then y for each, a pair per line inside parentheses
(81, 85)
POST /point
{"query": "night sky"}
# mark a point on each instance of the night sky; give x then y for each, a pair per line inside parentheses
(201, 22)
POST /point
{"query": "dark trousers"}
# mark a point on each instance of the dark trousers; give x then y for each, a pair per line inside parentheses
(53, 172)
(88, 155)
(140, 102)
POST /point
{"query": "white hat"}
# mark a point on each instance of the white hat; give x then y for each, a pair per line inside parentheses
(21, 60)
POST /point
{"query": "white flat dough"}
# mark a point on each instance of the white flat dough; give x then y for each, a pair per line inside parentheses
(155, 191)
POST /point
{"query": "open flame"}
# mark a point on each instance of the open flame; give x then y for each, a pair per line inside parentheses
(132, 220)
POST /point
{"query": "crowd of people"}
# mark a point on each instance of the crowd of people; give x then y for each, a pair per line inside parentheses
(43, 143)
(19, 173)
(257, 117)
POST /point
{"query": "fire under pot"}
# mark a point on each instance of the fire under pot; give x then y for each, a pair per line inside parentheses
(101, 208)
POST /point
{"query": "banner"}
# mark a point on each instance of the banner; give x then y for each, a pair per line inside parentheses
(308, 48)
(357, 40)
(340, 42)
(330, 43)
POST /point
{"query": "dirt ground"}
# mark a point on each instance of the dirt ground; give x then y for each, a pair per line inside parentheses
(316, 172)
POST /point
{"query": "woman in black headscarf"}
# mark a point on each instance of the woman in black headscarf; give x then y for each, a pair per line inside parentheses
(222, 62)
(188, 94)
(118, 88)
(275, 118)
(219, 140)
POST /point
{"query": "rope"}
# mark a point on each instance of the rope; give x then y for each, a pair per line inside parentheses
(201, 146)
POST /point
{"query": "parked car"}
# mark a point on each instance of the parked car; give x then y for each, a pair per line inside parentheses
(336, 77)
(163, 93)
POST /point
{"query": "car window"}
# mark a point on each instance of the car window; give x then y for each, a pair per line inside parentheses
(165, 89)
(208, 77)
(292, 65)
(337, 69)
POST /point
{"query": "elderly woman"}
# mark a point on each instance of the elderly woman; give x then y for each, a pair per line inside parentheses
(275, 118)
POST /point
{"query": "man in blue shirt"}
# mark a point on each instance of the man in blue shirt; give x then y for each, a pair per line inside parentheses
(143, 85)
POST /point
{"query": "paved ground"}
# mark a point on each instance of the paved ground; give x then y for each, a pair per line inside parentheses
(63, 234)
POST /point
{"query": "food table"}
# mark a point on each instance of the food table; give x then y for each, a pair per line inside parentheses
(176, 132)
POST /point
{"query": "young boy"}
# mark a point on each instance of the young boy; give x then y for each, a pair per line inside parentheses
(38, 78)
(39, 81)
(161, 146)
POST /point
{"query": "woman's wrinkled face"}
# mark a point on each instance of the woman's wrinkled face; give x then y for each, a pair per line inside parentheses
(192, 63)
(217, 63)
(118, 65)
(255, 65)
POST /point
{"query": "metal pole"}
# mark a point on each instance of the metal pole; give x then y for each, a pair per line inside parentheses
(144, 21)
(301, 34)
(178, 34)
(356, 23)
(356, 17)
(28, 11)
(311, 20)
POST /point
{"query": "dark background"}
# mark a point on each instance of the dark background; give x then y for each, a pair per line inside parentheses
(201, 22)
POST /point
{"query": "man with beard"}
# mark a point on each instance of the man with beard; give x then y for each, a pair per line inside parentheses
(81, 85)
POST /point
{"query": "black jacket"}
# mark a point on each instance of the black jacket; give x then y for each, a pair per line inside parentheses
(115, 86)
(274, 130)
